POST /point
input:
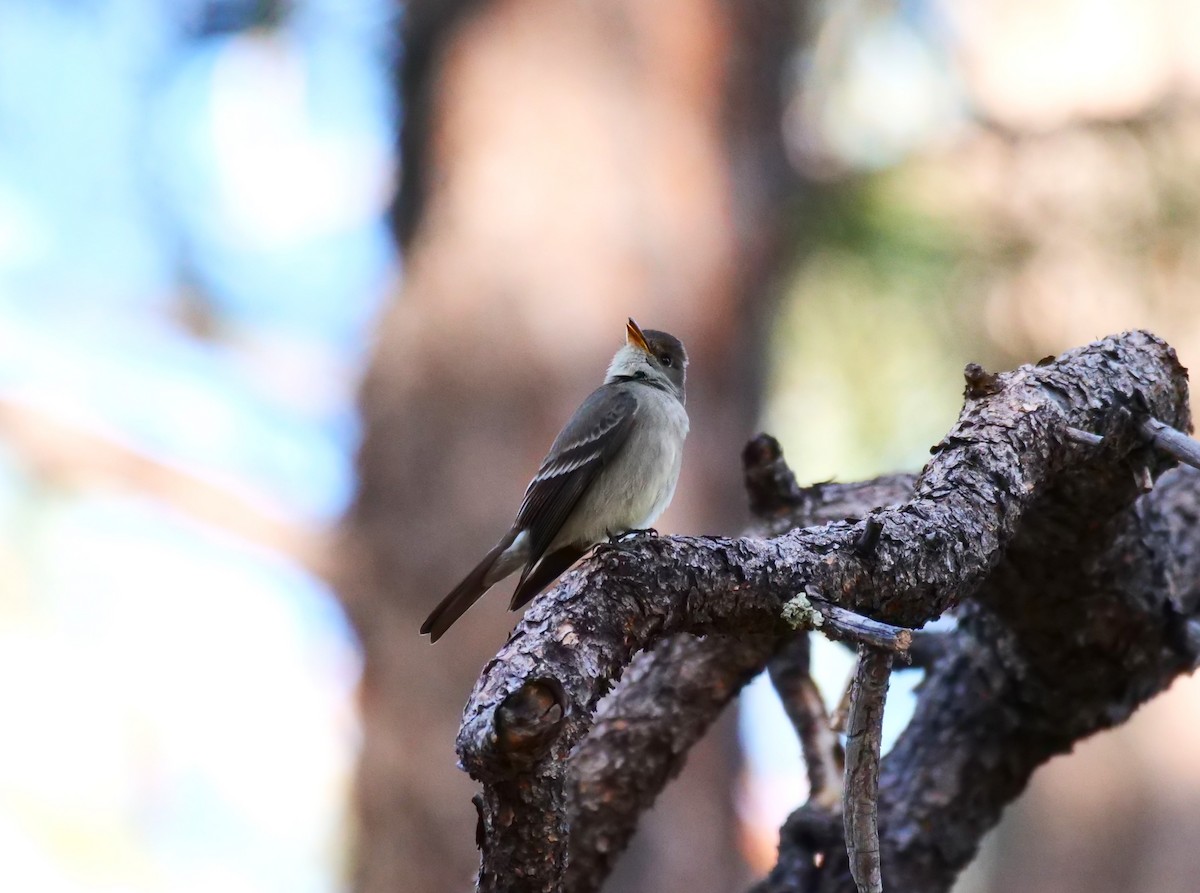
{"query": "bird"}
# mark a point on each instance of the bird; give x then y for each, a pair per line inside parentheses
(611, 470)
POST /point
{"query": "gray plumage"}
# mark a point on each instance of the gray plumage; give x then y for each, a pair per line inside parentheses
(612, 468)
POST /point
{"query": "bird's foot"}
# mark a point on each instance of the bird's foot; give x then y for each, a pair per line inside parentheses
(625, 535)
(615, 540)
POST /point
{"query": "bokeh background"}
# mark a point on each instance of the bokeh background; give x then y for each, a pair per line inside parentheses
(272, 376)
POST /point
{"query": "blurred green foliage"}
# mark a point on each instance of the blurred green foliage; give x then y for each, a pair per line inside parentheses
(870, 343)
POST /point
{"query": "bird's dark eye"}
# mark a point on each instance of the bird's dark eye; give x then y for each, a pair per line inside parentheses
(665, 359)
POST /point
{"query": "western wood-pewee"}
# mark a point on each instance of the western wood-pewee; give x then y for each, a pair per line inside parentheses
(612, 469)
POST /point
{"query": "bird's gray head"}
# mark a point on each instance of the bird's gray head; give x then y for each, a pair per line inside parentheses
(651, 356)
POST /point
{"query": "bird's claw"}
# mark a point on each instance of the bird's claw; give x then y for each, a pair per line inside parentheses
(615, 540)
(622, 536)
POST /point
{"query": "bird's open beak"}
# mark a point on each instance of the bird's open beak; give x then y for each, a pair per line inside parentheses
(634, 336)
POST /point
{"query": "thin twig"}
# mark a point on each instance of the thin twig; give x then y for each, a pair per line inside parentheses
(1078, 435)
(842, 625)
(823, 756)
(860, 805)
(1171, 441)
(840, 717)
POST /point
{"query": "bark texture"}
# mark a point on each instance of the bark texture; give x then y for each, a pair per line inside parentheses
(1076, 594)
(671, 694)
(864, 731)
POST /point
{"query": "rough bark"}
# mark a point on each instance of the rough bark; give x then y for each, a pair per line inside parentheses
(1066, 581)
(671, 694)
(665, 704)
(1062, 651)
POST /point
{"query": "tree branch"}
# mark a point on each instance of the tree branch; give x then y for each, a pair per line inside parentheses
(66, 452)
(1174, 443)
(1099, 637)
(824, 760)
(640, 738)
(846, 626)
(864, 738)
(1082, 621)
(1005, 478)
(670, 695)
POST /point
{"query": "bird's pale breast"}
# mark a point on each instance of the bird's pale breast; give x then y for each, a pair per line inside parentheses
(639, 482)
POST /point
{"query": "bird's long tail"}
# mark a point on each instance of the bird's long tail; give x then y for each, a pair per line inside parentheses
(535, 579)
(508, 554)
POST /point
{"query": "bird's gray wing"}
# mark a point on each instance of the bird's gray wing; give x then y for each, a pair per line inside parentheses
(593, 436)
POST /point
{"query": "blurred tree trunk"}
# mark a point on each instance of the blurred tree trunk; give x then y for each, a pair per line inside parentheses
(565, 165)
